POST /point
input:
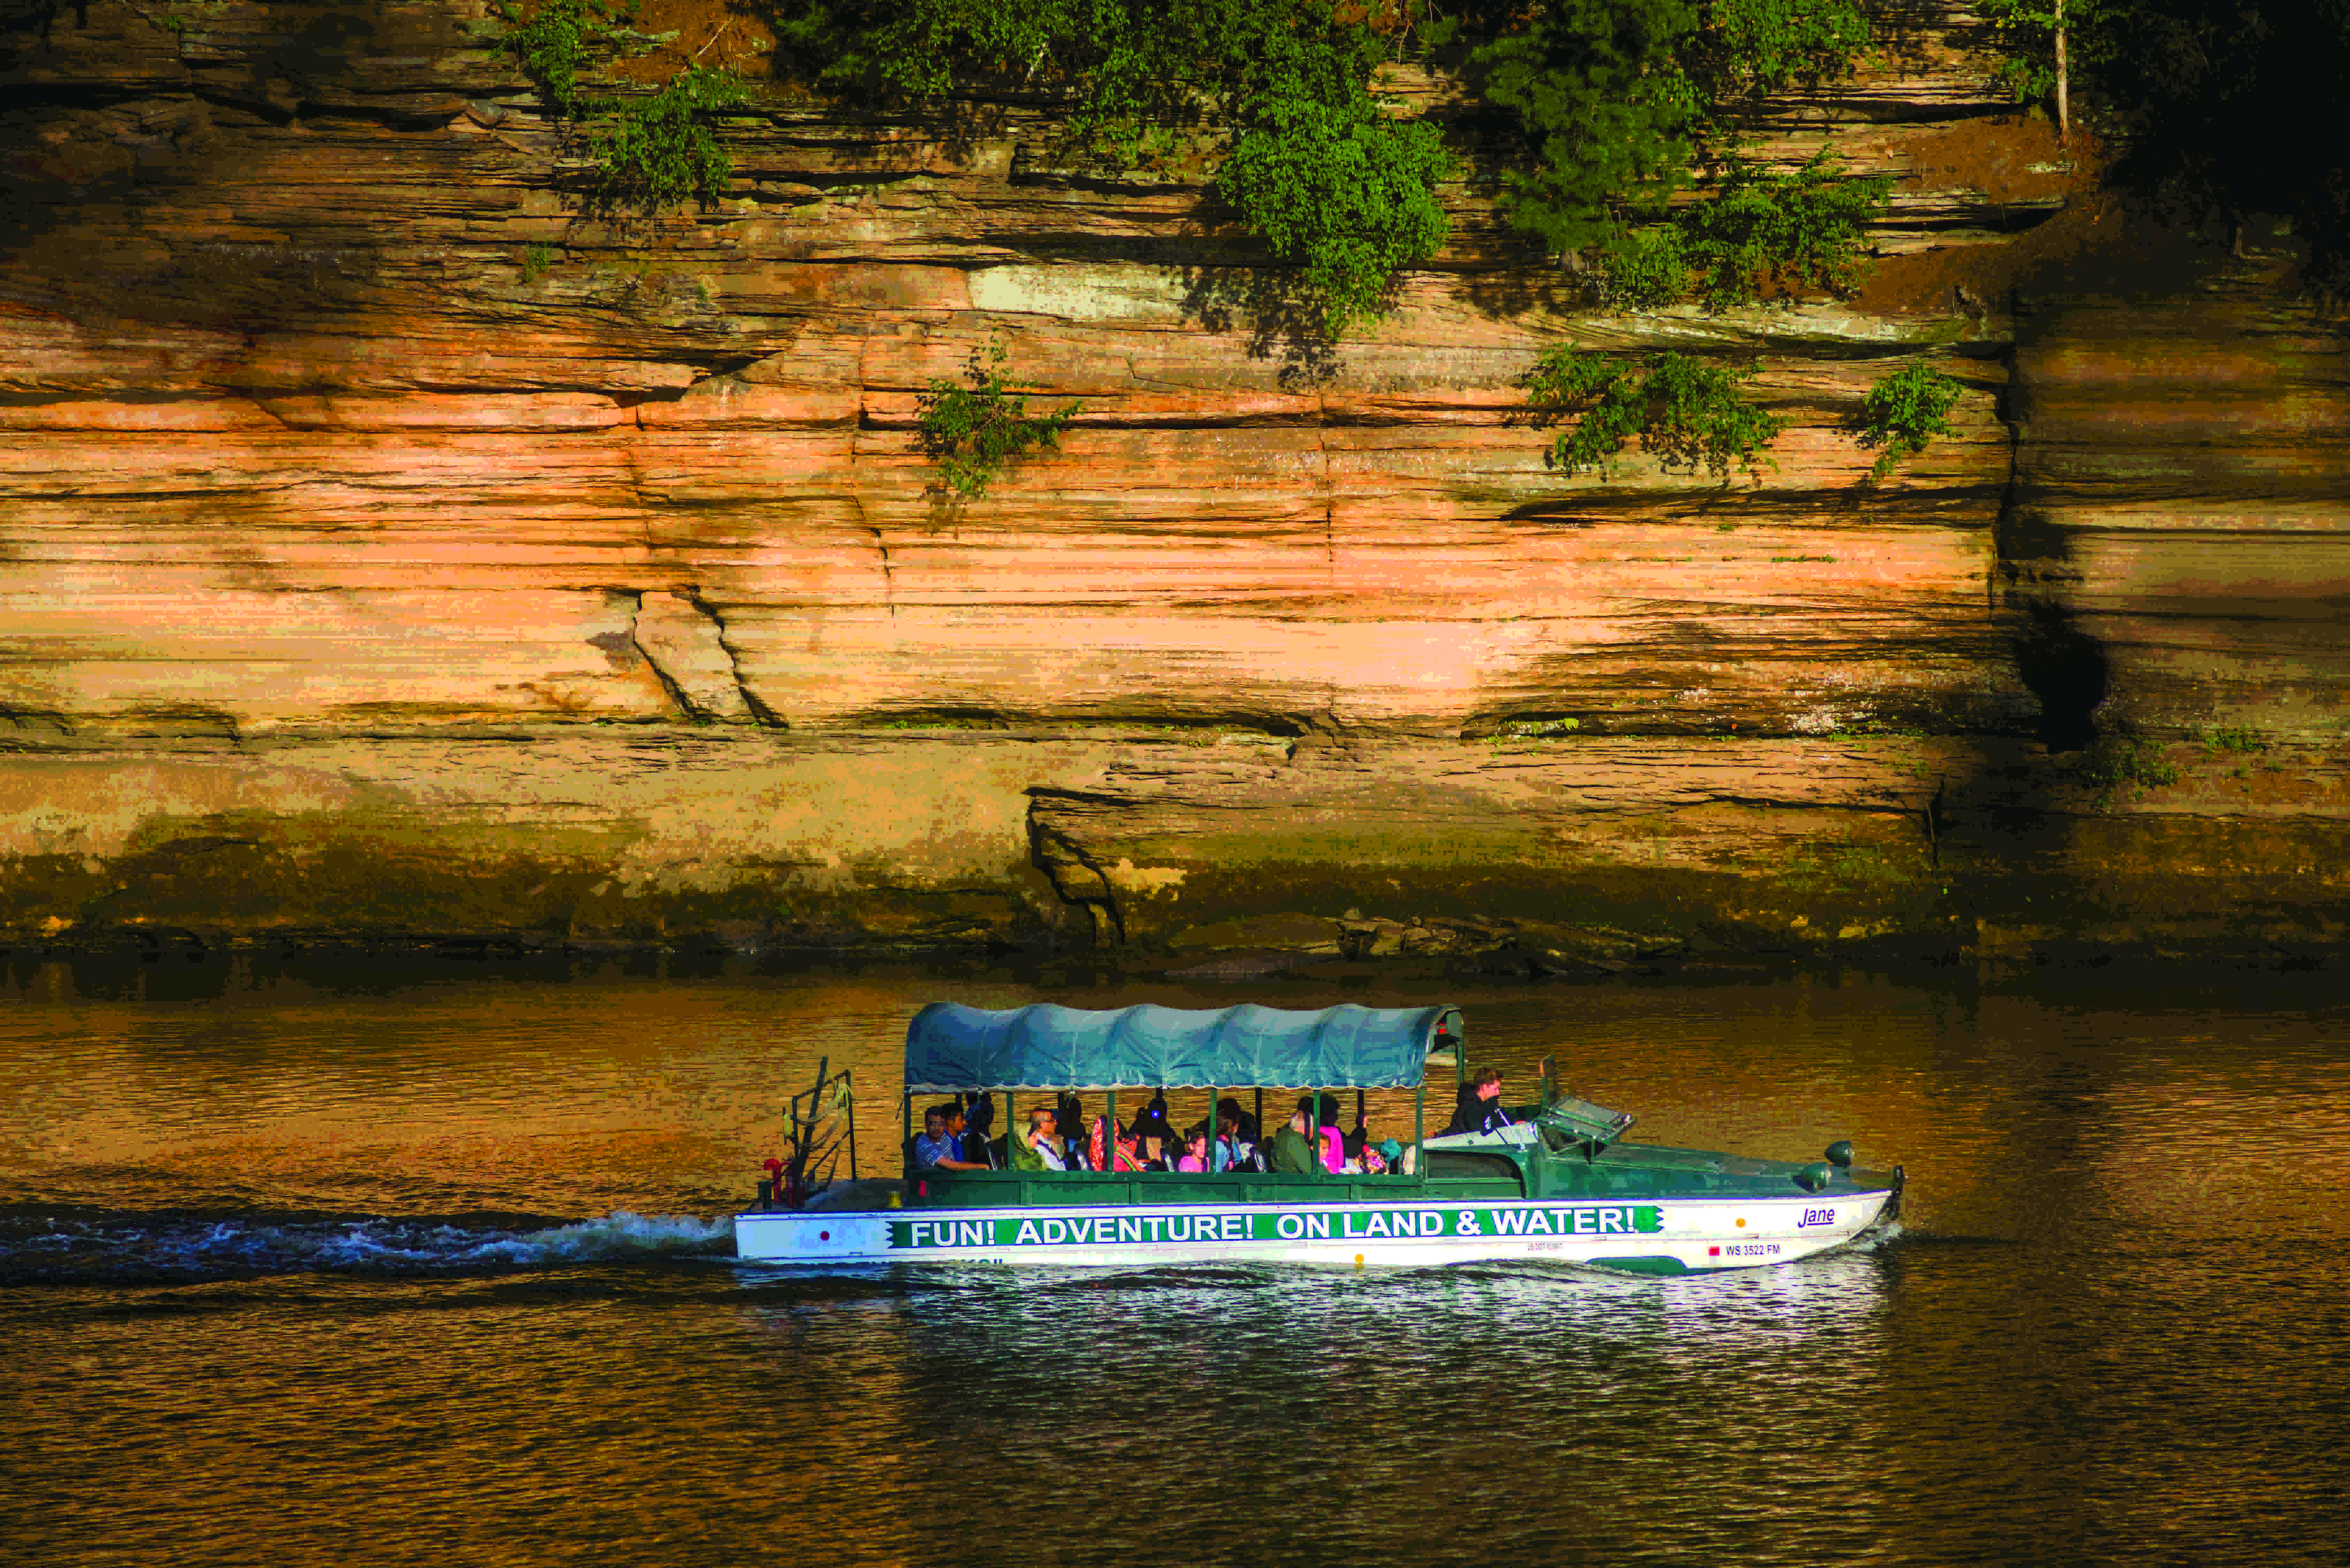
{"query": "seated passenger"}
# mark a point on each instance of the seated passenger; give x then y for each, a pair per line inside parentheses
(1293, 1150)
(1150, 1152)
(1233, 1152)
(1479, 1108)
(935, 1150)
(1039, 1148)
(1334, 1142)
(1382, 1160)
(1243, 1125)
(1153, 1121)
(1195, 1151)
(970, 1146)
(1069, 1118)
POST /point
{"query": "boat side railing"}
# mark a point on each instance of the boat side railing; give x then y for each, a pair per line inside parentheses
(1021, 1188)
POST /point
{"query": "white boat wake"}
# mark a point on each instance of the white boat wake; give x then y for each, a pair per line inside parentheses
(117, 1247)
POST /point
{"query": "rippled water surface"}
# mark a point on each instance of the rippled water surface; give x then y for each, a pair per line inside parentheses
(368, 1266)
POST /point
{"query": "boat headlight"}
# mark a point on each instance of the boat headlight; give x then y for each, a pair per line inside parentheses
(1812, 1177)
(1839, 1154)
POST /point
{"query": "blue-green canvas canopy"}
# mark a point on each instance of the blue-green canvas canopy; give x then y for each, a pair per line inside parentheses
(1044, 1046)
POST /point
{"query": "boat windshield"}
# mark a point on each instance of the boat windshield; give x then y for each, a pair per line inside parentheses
(1559, 1139)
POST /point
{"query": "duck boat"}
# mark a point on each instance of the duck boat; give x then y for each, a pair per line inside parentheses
(1559, 1184)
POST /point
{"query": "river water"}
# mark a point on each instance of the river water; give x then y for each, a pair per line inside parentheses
(362, 1263)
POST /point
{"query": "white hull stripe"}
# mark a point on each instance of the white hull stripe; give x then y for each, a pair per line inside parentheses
(1693, 1233)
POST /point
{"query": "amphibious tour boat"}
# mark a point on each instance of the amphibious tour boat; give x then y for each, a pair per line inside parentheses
(1557, 1184)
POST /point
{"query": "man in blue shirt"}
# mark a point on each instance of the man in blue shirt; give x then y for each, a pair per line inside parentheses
(935, 1148)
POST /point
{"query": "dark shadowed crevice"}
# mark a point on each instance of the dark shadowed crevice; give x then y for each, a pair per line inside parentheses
(758, 708)
(1077, 878)
(2066, 668)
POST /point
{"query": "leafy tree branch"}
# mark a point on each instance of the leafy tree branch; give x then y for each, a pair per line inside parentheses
(1683, 409)
(971, 431)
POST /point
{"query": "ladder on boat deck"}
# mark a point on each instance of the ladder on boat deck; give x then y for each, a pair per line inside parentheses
(823, 1120)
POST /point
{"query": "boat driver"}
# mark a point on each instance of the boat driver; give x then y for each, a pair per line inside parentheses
(1479, 1108)
(935, 1148)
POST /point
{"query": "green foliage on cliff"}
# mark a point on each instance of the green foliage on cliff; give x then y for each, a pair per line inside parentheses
(1609, 118)
(1684, 409)
(650, 152)
(555, 41)
(1643, 269)
(2024, 35)
(1308, 156)
(1763, 233)
(1341, 189)
(972, 431)
(1904, 411)
(1616, 97)
(1759, 233)
(2124, 759)
(656, 152)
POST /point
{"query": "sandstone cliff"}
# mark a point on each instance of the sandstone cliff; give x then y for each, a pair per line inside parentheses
(388, 550)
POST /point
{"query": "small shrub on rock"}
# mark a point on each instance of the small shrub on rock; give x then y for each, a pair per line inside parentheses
(972, 431)
(1684, 409)
(1904, 411)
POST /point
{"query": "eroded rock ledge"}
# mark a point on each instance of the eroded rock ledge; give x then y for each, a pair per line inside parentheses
(365, 576)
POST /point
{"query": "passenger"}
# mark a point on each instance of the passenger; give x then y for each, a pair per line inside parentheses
(935, 1148)
(1150, 1152)
(1356, 1145)
(978, 1129)
(1381, 1161)
(1292, 1149)
(1039, 1148)
(1070, 1118)
(1243, 1125)
(1334, 1142)
(1233, 1152)
(1479, 1108)
(1153, 1120)
(1195, 1151)
(970, 1148)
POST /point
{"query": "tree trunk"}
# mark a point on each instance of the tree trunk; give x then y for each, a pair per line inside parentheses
(2064, 106)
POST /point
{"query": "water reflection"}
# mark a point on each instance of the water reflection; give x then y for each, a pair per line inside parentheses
(339, 1252)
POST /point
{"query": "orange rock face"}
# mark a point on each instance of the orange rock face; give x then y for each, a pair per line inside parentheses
(389, 550)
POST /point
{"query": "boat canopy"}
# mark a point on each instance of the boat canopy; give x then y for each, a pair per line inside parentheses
(950, 1047)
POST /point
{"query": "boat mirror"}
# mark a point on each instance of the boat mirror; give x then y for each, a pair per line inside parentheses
(1839, 1153)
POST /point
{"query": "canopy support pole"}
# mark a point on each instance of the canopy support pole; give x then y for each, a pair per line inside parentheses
(1211, 1130)
(1109, 1134)
(1418, 1123)
(1317, 1167)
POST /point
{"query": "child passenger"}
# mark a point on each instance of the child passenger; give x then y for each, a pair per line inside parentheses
(1195, 1151)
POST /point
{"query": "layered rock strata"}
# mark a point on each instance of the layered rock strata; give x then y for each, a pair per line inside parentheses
(391, 551)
